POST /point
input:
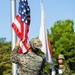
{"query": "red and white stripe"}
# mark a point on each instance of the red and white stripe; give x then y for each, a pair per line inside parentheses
(21, 29)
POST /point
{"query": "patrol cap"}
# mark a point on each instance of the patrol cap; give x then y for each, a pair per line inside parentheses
(61, 56)
(35, 43)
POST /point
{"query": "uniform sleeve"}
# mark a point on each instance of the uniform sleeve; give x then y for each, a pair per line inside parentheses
(14, 56)
(67, 71)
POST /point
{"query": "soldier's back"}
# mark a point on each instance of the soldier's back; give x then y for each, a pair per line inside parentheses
(30, 64)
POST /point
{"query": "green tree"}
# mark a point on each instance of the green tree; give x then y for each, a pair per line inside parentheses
(62, 38)
(5, 64)
(3, 39)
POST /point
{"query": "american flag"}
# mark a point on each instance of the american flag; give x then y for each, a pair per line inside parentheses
(21, 25)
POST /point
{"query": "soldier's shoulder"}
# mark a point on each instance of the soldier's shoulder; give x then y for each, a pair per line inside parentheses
(38, 57)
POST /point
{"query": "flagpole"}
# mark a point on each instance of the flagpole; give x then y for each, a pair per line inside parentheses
(13, 35)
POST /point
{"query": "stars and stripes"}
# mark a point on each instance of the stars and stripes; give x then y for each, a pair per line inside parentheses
(21, 25)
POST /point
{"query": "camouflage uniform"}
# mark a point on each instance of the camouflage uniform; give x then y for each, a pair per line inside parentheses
(65, 70)
(29, 63)
(62, 70)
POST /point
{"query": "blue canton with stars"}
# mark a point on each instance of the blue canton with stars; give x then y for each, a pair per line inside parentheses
(24, 10)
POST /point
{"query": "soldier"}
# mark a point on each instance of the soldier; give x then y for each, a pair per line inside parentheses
(61, 69)
(28, 63)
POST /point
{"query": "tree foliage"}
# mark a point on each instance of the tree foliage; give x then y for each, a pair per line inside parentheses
(2, 39)
(62, 38)
(5, 64)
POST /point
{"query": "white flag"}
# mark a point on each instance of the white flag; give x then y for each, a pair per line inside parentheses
(44, 38)
(46, 46)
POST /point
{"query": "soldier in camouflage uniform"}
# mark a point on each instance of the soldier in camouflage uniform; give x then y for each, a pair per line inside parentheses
(29, 63)
(61, 69)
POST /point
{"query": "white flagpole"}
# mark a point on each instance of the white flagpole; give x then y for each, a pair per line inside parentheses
(13, 36)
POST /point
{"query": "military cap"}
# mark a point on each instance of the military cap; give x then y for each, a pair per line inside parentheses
(61, 56)
(35, 43)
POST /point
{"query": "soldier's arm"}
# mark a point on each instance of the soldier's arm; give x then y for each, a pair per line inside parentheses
(68, 71)
(14, 56)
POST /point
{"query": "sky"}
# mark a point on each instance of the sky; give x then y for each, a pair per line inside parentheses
(54, 10)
